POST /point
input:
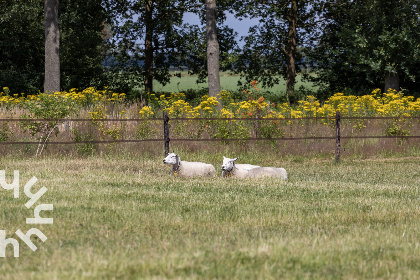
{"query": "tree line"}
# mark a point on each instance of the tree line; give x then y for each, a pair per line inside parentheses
(340, 45)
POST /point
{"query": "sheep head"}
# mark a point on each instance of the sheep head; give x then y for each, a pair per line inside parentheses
(228, 164)
(171, 158)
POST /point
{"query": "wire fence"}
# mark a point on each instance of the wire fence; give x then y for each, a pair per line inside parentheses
(166, 137)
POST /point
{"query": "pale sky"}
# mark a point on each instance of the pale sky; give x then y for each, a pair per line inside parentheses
(240, 26)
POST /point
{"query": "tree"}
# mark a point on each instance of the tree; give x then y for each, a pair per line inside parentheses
(209, 49)
(150, 37)
(148, 47)
(22, 44)
(84, 33)
(291, 49)
(52, 46)
(212, 48)
(368, 44)
(271, 48)
(147, 40)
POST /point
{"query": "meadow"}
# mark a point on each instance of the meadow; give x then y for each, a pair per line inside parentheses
(122, 216)
(228, 82)
(118, 214)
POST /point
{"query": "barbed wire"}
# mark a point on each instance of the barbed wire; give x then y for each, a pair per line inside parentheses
(209, 119)
(205, 140)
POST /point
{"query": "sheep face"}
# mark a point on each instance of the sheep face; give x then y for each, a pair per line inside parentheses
(228, 164)
(171, 158)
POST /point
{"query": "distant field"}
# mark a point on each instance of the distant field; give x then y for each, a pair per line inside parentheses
(124, 217)
(227, 81)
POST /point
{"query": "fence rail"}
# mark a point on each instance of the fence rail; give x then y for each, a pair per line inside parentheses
(205, 140)
(211, 119)
(165, 119)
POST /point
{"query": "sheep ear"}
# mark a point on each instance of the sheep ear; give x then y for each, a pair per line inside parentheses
(235, 159)
(224, 157)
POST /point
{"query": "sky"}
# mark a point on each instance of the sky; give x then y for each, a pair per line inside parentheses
(240, 26)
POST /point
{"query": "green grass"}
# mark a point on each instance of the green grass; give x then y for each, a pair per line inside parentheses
(227, 82)
(125, 218)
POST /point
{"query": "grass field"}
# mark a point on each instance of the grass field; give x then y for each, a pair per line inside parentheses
(227, 82)
(124, 217)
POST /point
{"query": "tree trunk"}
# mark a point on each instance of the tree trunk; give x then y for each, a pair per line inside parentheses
(392, 81)
(212, 49)
(148, 49)
(52, 46)
(291, 53)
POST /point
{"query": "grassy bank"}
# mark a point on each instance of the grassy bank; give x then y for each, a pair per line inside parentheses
(125, 218)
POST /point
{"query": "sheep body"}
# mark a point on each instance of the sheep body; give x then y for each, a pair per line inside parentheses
(245, 166)
(191, 169)
(267, 172)
(236, 173)
(230, 169)
(188, 169)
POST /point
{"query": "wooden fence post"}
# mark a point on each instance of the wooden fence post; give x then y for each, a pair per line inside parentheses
(166, 132)
(257, 125)
(337, 136)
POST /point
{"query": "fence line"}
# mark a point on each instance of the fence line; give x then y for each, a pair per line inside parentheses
(167, 140)
(204, 140)
(211, 119)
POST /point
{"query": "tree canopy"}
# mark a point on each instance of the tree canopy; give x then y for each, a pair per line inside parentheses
(363, 43)
(346, 45)
(271, 48)
(22, 44)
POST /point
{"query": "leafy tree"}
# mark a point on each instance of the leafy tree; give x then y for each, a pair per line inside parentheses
(195, 39)
(84, 34)
(210, 48)
(368, 44)
(147, 40)
(22, 44)
(270, 49)
(148, 46)
(150, 37)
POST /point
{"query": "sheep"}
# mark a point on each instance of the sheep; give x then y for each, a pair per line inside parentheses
(267, 172)
(230, 169)
(188, 169)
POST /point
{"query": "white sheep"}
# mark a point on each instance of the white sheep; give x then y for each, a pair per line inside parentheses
(267, 172)
(230, 169)
(188, 169)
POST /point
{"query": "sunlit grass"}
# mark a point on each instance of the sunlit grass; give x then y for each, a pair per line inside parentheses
(228, 82)
(124, 217)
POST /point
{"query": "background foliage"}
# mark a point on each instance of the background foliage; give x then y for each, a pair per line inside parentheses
(362, 41)
(82, 46)
(343, 46)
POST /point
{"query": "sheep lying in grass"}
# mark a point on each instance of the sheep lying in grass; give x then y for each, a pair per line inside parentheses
(188, 169)
(230, 169)
(268, 172)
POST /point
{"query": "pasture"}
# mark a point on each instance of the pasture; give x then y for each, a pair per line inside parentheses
(228, 82)
(123, 217)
